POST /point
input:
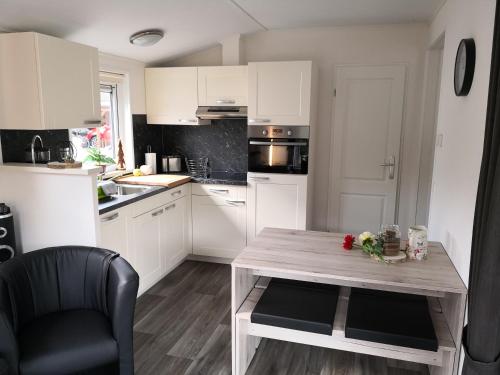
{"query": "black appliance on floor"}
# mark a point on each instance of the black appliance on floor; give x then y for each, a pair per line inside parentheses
(7, 234)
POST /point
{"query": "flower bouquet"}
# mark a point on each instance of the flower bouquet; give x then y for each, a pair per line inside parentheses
(370, 243)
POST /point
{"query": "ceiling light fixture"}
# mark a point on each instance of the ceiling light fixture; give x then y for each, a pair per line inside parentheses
(146, 38)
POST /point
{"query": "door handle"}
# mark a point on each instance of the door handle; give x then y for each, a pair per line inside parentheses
(235, 201)
(108, 219)
(260, 178)
(391, 165)
(176, 192)
(170, 207)
(157, 213)
(225, 191)
(225, 101)
(254, 120)
(183, 120)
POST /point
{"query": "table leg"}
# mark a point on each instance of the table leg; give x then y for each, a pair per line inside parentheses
(243, 345)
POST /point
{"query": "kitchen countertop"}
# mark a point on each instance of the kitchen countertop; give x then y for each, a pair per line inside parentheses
(216, 178)
(42, 168)
(124, 200)
(224, 178)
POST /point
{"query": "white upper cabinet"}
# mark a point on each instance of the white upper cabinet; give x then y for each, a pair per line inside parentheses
(172, 95)
(47, 83)
(223, 85)
(279, 93)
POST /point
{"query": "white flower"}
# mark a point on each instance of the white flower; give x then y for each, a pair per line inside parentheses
(365, 236)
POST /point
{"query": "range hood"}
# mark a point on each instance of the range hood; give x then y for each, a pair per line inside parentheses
(219, 113)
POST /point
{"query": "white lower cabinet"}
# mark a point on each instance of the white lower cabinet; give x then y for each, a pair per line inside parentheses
(147, 247)
(113, 225)
(276, 201)
(219, 220)
(154, 241)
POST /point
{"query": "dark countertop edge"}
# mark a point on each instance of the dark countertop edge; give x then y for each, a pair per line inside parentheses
(216, 181)
(125, 201)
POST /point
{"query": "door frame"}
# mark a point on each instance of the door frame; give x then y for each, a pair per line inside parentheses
(331, 171)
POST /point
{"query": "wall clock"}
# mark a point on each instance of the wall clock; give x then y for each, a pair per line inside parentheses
(464, 66)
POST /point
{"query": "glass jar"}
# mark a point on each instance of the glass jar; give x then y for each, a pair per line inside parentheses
(392, 239)
(417, 242)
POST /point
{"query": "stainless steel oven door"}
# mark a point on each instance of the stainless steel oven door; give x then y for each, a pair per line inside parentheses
(278, 155)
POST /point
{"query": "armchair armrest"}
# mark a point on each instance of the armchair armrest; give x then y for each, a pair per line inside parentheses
(9, 351)
(123, 283)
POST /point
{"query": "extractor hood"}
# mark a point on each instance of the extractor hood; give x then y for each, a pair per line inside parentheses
(219, 113)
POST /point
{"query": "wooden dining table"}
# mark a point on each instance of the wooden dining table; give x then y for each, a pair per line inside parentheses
(319, 257)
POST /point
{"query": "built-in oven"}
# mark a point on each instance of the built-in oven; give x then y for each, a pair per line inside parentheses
(278, 149)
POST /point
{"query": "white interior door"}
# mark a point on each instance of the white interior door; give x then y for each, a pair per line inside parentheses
(366, 143)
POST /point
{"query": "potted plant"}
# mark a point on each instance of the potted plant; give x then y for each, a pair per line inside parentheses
(95, 155)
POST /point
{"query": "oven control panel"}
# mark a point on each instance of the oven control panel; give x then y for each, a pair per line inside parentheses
(269, 131)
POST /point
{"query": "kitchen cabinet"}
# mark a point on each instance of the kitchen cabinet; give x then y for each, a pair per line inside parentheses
(153, 235)
(172, 95)
(146, 245)
(279, 93)
(223, 85)
(276, 201)
(113, 225)
(219, 220)
(47, 83)
(174, 233)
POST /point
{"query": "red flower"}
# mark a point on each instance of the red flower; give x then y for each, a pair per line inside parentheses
(348, 241)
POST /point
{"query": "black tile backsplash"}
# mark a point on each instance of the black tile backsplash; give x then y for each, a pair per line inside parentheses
(14, 142)
(224, 142)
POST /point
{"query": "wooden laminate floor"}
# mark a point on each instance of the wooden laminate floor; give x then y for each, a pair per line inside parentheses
(183, 326)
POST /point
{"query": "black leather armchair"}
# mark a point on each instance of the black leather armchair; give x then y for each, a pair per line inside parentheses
(67, 310)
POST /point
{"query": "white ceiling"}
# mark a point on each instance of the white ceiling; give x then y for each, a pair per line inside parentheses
(194, 24)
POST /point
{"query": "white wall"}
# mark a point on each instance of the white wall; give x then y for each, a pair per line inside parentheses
(134, 71)
(461, 122)
(327, 47)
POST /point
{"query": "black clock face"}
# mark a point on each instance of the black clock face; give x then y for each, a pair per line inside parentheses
(464, 66)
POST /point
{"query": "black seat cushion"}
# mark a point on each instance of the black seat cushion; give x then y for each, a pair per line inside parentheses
(297, 305)
(66, 342)
(390, 318)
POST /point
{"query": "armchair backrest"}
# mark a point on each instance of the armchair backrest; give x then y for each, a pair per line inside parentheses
(52, 280)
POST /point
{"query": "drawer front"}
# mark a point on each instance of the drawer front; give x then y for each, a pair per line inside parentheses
(151, 203)
(222, 191)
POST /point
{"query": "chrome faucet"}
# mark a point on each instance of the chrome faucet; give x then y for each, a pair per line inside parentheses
(33, 141)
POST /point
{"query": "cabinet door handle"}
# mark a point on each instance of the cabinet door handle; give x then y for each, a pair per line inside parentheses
(157, 213)
(109, 218)
(185, 120)
(254, 120)
(260, 178)
(226, 191)
(225, 101)
(170, 207)
(235, 201)
(92, 122)
(176, 192)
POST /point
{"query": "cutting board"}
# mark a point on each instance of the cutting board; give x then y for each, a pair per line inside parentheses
(166, 180)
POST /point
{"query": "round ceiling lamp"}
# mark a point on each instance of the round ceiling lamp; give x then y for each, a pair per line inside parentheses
(146, 38)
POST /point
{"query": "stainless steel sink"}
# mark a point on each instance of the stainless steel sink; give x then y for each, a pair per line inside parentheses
(131, 189)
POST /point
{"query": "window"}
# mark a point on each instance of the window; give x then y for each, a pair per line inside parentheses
(104, 137)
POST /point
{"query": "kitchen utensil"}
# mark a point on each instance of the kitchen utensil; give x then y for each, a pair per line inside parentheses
(198, 168)
(42, 155)
(150, 158)
(61, 165)
(66, 152)
(174, 163)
